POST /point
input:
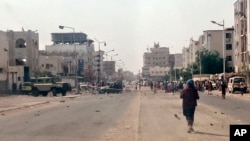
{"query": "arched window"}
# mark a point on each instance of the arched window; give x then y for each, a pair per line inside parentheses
(20, 43)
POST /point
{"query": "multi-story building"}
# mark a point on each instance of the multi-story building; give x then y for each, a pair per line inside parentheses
(185, 57)
(157, 72)
(241, 32)
(21, 51)
(159, 56)
(108, 69)
(75, 48)
(213, 41)
(178, 61)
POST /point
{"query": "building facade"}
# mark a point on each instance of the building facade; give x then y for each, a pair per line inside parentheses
(20, 49)
(241, 32)
(158, 56)
(77, 50)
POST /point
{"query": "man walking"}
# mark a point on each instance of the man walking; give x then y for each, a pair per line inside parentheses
(190, 96)
(223, 89)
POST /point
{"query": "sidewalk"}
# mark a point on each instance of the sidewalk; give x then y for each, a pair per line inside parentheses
(246, 96)
(14, 102)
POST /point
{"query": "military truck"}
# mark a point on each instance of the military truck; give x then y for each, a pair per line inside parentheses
(44, 85)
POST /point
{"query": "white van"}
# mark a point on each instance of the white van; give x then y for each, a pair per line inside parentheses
(234, 84)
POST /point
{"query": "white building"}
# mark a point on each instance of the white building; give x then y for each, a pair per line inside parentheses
(157, 72)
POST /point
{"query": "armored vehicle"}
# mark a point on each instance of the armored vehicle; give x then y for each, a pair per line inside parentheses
(44, 85)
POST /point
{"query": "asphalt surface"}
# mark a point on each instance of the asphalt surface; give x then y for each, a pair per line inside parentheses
(133, 116)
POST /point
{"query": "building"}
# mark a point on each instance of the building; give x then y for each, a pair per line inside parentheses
(77, 50)
(20, 49)
(23, 50)
(108, 69)
(241, 32)
(213, 41)
(158, 56)
(157, 73)
(53, 64)
(178, 61)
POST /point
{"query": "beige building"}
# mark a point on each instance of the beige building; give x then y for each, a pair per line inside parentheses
(213, 41)
(23, 49)
(20, 49)
(178, 61)
(158, 56)
(241, 24)
(53, 64)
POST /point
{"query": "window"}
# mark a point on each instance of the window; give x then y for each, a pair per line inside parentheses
(228, 35)
(229, 58)
(47, 66)
(229, 47)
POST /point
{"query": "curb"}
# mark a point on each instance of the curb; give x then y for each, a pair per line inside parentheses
(23, 106)
(30, 105)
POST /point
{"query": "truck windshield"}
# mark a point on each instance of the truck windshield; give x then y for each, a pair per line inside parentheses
(238, 80)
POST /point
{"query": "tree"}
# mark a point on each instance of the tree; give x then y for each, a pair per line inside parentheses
(209, 61)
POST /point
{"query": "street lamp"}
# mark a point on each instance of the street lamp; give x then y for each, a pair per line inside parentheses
(112, 56)
(7, 79)
(99, 59)
(75, 55)
(107, 53)
(223, 44)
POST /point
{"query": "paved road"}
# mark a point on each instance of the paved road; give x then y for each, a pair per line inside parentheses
(90, 118)
(136, 116)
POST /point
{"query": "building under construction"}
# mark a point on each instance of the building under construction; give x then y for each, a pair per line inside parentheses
(69, 38)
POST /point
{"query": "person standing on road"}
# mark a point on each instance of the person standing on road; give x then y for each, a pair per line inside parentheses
(223, 89)
(241, 88)
(189, 97)
(166, 86)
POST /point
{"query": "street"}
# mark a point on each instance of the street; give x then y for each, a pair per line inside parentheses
(131, 116)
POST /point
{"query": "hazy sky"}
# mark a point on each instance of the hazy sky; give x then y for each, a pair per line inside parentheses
(128, 26)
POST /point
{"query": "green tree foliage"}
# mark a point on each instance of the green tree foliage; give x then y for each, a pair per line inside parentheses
(210, 62)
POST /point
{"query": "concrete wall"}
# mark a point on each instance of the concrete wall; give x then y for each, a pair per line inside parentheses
(52, 64)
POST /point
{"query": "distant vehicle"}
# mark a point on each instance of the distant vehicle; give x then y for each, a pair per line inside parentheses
(44, 85)
(214, 85)
(234, 84)
(115, 87)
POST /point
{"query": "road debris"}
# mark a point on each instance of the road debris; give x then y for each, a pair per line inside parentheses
(62, 100)
(176, 116)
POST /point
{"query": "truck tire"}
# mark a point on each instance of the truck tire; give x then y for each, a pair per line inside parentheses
(64, 92)
(54, 91)
(35, 92)
(45, 93)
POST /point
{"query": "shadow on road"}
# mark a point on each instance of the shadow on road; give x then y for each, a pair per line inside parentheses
(212, 134)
